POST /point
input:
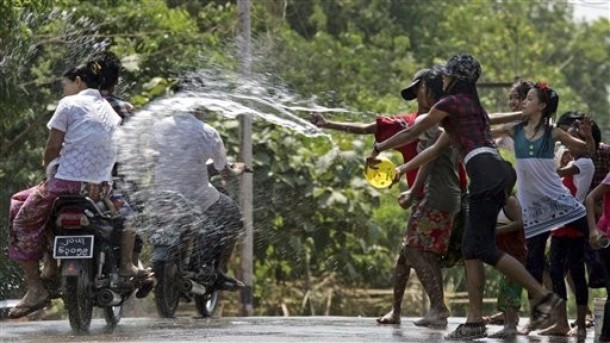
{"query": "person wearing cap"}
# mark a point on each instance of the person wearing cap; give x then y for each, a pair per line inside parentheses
(430, 225)
(385, 127)
(467, 127)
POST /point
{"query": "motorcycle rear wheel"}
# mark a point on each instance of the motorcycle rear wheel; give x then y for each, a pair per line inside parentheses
(206, 304)
(167, 292)
(78, 298)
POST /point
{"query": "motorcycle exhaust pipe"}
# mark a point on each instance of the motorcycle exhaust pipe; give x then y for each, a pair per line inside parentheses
(190, 286)
(107, 297)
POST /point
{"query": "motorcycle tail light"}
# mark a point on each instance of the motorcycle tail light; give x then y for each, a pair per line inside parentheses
(72, 219)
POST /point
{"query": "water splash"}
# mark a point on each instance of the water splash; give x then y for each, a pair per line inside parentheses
(223, 93)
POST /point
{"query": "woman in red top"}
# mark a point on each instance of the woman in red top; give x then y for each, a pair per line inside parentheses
(467, 127)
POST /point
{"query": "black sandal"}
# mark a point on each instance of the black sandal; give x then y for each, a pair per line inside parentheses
(541, 312)
(468, 331)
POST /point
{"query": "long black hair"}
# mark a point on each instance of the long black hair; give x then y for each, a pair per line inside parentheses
(433, 81)
(522, 87)
(458, 86)
(550, 98)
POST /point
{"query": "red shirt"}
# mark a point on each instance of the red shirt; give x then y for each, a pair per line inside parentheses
(566, 231)
(389, 126)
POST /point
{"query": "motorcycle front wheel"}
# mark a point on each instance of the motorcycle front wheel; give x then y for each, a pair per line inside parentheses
(78, 298)
(206, 304)
(167, 291)
(112, 315)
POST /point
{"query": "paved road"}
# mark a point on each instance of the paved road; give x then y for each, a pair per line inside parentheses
(243, 330)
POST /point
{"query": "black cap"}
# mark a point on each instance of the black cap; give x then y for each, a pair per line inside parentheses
(408, 93)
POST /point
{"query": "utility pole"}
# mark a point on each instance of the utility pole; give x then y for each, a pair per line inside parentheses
(245, 139)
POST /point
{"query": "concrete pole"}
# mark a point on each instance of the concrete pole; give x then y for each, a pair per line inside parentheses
(245, 185)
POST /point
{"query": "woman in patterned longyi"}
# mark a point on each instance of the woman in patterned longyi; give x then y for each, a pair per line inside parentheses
(78, 158)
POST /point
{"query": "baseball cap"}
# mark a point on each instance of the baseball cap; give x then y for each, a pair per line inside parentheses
(408, 92)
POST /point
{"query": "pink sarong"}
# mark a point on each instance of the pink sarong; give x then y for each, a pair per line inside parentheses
(29, 211)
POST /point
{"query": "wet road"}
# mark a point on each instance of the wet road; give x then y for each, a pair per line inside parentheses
(244, 330)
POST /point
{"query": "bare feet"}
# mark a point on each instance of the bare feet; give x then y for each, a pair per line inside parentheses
(389, 318)
(434, 319)
(432, 322)
(555, 330)
(506, 332)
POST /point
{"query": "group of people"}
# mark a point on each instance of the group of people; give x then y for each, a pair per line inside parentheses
(451, 132)
(80, 158)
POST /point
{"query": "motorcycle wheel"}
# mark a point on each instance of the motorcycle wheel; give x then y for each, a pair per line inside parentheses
(206, 304)
(112, 315)
(78, 298)
(167, 291)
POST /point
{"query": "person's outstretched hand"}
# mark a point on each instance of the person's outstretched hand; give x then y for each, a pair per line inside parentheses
(317, 119)
(584, 127)
(372, 161)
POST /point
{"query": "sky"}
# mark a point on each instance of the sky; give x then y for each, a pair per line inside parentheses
(591, 10)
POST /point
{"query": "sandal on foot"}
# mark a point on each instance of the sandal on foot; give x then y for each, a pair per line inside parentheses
(146, 286)
(385, 320)
(20, 311)
(468, 331)
(541, 312)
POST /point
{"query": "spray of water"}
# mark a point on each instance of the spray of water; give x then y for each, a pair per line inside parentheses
(223, 93)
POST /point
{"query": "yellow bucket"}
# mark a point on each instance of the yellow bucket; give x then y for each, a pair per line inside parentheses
(383, 173)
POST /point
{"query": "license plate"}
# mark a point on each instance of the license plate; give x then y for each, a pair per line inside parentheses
(73, 247)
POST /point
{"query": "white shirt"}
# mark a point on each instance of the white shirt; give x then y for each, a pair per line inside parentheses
(582, 180)
(89, 149)
(183, 144)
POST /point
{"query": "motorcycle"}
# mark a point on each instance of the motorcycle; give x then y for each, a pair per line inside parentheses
(87, 245)
(176, 234)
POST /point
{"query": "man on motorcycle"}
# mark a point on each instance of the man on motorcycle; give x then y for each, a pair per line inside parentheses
(181, 145)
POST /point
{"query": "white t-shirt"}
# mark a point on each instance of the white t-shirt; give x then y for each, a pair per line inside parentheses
(183, 144)
(89, 150)
(582, 180)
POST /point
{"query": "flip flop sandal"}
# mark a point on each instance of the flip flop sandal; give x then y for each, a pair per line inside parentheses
(146, 286)
(384, 321)
(468, 331)
(542, 311)
(20, 311)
